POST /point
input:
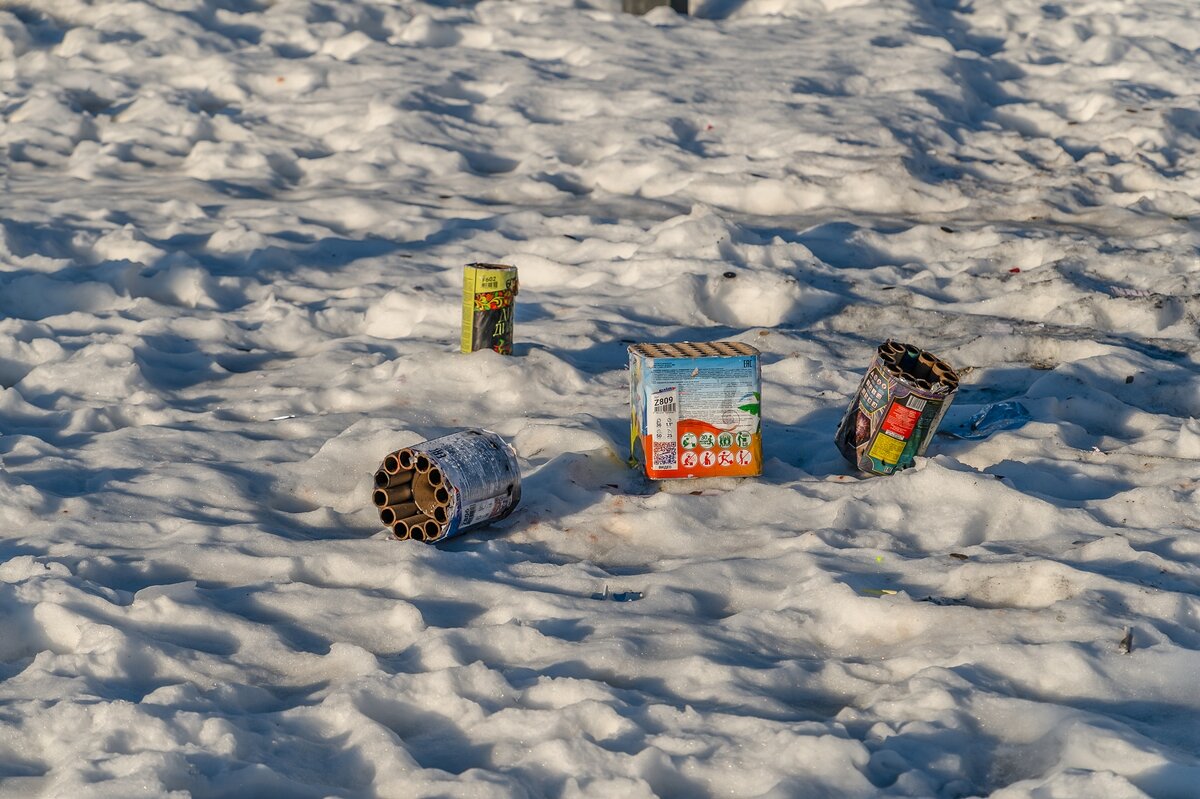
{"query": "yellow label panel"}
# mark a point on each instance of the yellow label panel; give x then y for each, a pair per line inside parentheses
(886, 449)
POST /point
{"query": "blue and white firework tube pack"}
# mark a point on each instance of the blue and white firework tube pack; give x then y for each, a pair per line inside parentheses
(445, 486)
(893, 416)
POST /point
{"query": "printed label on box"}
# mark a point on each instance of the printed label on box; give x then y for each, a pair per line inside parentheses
(664, 421)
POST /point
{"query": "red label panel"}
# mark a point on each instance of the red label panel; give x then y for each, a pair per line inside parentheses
(900, 421)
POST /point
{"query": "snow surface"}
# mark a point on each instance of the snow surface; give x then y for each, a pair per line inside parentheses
(230, 265)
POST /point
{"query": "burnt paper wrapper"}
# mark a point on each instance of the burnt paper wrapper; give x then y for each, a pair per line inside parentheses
(897, 408)
(489, 296)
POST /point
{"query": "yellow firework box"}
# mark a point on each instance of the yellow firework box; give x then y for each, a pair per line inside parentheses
(489, 293)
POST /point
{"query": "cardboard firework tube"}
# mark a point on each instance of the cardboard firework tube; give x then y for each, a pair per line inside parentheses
(432, 530)
(400, 530)
(891, 350)
(385, 480)
(461, 481)
(489, 294)
(415, 520)
(403, 511)
(925, 366)
(909, 359)
(424, 529)
(392, 496)
(397, 462)
(897, 408)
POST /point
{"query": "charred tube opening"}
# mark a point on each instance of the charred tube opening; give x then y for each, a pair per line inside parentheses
(432, 530)
(392, 464)
(925, 366)
(909, 360)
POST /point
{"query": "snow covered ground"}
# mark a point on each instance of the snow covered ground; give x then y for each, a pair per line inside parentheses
(230, 259)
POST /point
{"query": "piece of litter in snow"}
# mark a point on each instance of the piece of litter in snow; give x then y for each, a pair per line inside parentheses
(1127, 293)
(1126, 645)
(1006, 415)
(878, 591)
(620, 596)
(281, 418)
(943, 600)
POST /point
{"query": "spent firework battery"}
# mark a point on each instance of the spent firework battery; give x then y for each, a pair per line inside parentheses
(489, 292)
(897, 408)
(445, 486)
(695, 409)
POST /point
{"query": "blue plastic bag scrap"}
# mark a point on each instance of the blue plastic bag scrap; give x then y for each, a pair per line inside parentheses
(1006, 415)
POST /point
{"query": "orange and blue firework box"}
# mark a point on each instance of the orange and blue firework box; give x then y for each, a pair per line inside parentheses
(695, 409)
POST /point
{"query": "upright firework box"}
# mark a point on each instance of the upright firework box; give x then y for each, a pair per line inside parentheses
(489, 293)
(695, 409)
(897, 408)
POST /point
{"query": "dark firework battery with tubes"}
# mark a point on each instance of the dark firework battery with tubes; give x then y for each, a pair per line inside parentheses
(445, 486)
(489, 293)
(897, 408)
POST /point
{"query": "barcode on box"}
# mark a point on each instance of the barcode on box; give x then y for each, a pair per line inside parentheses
(665, 455)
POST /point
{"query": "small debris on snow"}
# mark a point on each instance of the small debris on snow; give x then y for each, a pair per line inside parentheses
(621, 596)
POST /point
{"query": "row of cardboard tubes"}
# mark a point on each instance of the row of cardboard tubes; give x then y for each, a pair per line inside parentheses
(412, 495)
(927, 372)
